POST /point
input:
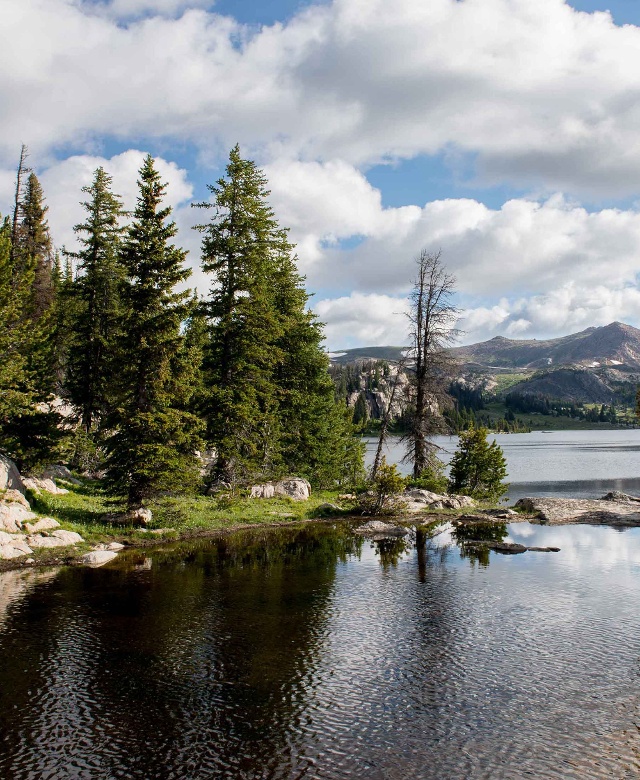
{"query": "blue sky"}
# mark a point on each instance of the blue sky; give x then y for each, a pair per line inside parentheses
(503, 132)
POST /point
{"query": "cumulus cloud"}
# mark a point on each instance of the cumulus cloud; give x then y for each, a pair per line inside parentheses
(363, 320)
(538, 92)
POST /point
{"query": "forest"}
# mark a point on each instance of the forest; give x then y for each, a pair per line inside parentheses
(112, 365)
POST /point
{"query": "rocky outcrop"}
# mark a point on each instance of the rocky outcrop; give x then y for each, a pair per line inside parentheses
(10, 478)
(293, 487)
(437, 501)
(13, 515)
(615, 509)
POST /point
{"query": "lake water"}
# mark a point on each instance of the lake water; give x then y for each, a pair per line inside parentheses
(579, 464)
(309, 653)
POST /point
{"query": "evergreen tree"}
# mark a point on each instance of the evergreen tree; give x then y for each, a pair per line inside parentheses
(155, 437)
(94, 300)
(271, 407)
(34, 253)
(478, 467)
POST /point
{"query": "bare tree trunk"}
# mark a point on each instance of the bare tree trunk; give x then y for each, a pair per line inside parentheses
(432, 318)
(385, 422)
(22, 169)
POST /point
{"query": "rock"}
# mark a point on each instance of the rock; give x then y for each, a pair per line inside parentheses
(10, 478)
(15, 497)
(37, 541)
(599, 511)
(543, 549)
(22, 546)
(115, 547)
(6, 538)
(263, 491)
(8, 551)
(140, 517)
(507, 547)
(98, 557)
(437, 501)
(57, 471)
(379, 529)
(13, 515)
(327, 510)
(68, 537)
(38, 485)
(294, 487)
(45, 524)
(616, 495)
(347, 497)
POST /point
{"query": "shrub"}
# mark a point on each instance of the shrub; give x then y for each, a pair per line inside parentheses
(478, 467)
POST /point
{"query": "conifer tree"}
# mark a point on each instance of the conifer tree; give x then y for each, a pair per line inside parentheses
(271, 407)
(94, 300)
(34, 253)
(154, 441)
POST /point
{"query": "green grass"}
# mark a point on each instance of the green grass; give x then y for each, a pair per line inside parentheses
(83, 508)
(542, 422)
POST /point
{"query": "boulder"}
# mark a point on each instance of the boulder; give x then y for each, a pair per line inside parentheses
(13, 515)
(8, 551)
(45, 524)
(328, 510)
(37, 541)
(68, 537)
(263, 491)
(6, 538)
(57, 471)
(22, 546)
(38, 485)
(98, 557)
(621, 512)
(10, 478)
(294, 487)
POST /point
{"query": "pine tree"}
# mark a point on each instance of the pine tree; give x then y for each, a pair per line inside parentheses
(271, 408)
(94, 300)
(155, 438)
(478, 467)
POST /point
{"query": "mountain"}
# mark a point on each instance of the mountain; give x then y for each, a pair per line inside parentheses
(616, 344)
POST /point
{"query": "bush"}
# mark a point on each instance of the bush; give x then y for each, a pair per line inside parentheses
(382, 490)
(432, 478)
(478, 467)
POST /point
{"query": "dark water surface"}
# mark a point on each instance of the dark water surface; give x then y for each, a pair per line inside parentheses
(576, 464)
(312, 654)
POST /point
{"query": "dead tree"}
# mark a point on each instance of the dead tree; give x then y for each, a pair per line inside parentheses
(386, 419)
(432, 316)
(17, 204)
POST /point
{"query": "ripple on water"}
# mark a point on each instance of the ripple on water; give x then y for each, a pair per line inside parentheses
(322, 661)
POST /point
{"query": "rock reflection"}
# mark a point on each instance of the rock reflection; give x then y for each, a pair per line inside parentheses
(467, 536)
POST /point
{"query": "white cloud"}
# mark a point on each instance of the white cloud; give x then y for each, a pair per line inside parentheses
(363, 320)
(123, 9)
(539, 92)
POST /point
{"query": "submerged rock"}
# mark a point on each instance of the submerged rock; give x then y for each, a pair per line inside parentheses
(616, 509)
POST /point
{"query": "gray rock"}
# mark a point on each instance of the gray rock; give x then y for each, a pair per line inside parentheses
(57, 471)
(437, 501)
(47, 485)
(294, 487)
(13, 515)
(22, 546)
(10, 478)
(15, 497)
(37, 541)
(8, 551)
(543, 549)
(45, 524)
(263, 491)
(140, 517)
(68, 537)
(115, 546)
(599, 511)
(98, 557)
(327, 509)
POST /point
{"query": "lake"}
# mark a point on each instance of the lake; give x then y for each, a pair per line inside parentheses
(310, 653)
(579, 464)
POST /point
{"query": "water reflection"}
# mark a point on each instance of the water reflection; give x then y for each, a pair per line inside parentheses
(308, 653)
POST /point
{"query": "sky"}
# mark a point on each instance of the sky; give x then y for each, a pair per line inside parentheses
(503, 133)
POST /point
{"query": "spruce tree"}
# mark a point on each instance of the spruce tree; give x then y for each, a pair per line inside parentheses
(94, 301)
(271, 408)
(155, 438)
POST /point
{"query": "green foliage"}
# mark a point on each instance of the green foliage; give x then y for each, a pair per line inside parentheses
(92, 301)
(270, 406)
(152, 447)
(478, 467)
(386, 485)
(433, 478)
